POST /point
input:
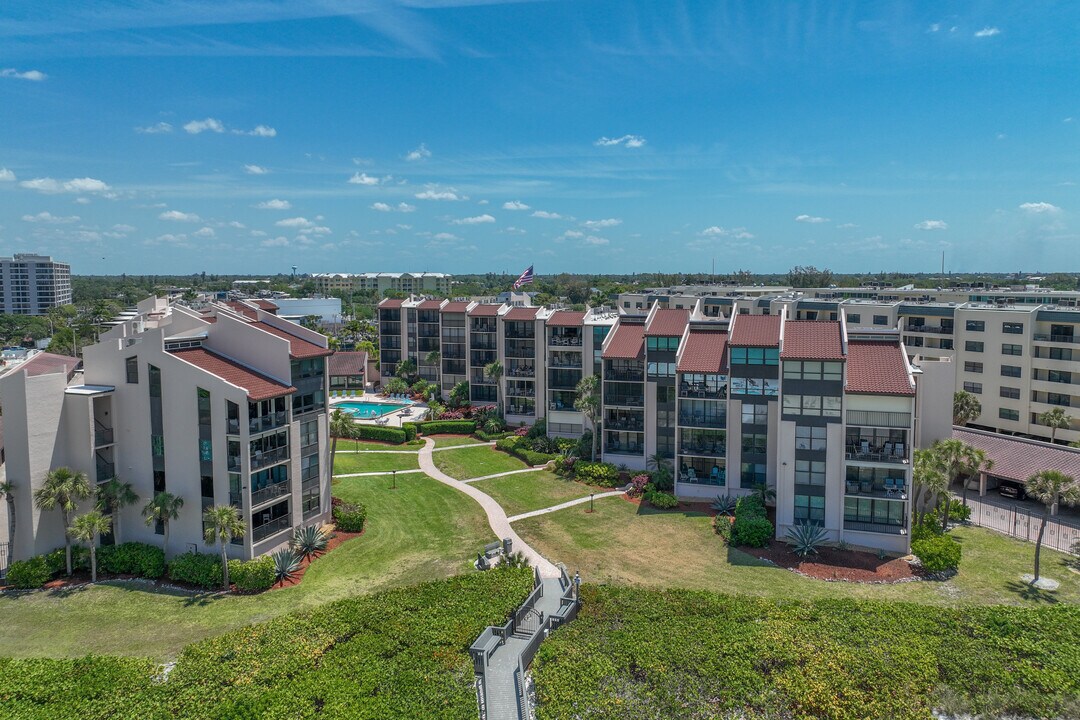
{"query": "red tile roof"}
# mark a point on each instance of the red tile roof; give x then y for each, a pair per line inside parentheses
(485, 311)
(266, 305)
(812, 340)
(44, 363)
(704, 351)
(566, 318)
(668, 322)
(242, 308)
(627, 342)
(1019, 458)
(429, 305)
(391, 303)
(877, 368)
(346, 363)
(522, 313)
(256, 385)
(455, 307)
(298, 347)
(755, 331)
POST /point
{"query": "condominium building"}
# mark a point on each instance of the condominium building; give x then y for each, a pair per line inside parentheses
(381, 283)
(226, 406)
(32, 284)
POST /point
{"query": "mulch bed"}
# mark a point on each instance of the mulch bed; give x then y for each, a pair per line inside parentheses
(837, 565)
(336, 541)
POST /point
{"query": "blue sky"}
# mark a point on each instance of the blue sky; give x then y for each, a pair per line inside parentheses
(473, 135)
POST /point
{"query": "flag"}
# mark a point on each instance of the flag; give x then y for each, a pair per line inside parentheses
(525, 279)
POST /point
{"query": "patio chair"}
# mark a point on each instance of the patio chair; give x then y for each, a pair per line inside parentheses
(715, 473)
(691, 475)
(864, 447)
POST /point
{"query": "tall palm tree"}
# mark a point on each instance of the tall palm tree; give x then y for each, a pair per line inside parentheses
(1055, 419)
(63, 489)
(88, 528)
(7, 489)
(435, 358)
(112, 496)
(1050, 487)
(966, 407)
(587, 403)
(340, 426)
(930, 481)
(164, 508)
(494, 370)
(662, 472)
(225, 524)
(405, 369)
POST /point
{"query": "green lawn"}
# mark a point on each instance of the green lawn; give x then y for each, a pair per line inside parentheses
(372, 445)
(474, 462)
(424, 530)
(374, 462)
(624, 543)
(533, 491)
(455, 440)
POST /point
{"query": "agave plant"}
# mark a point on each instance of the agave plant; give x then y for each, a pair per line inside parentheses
(286, 564)
(724, 504)
(514, 560)
(805, 539)
(309, 541)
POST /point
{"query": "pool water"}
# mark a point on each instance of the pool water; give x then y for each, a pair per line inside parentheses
(363, 409)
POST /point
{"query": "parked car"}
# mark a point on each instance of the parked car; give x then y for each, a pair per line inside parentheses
(1011, 490)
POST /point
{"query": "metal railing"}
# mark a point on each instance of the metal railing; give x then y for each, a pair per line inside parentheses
(624, 375)
(102, 435)
(270, 421)
(258, 497)
(625, 400)
(876, 418)
(858, 526)
(1057, 338)
(1019, 522)
(702, 421)
(266, 458)
(271, 528)
(564, 341)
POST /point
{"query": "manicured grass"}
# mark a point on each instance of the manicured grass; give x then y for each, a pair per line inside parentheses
(455, 440)
(625, 543)
(533, 491)
(642, 654)
(374, 462)
(422, 531)
(473, 462)
(415, 445)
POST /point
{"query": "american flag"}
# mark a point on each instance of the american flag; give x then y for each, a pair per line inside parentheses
(525, 279)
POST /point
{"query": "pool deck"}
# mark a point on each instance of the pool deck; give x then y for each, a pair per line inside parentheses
(395, 419)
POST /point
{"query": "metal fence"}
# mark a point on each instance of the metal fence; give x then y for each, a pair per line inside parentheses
(5, 558)
(1061, 533)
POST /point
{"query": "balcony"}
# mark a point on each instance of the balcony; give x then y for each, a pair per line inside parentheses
(895, 455)
(454, 353)
(890, 488)
(527, 333)
(700, 420)
(482, 343)
(261, 532)
(624, 375)
(619, 448)
(564, 341)
(625, 400)
(520, 349)
(875, 418)
(481, 380)
(270, 421)
(702, 392)
(390, 328)
(265, 494)
(522, 408)
(716, 476)
(483, 327)
(267, 458)
(521, 371)
(856, 526)
(521, 392)
(933, 329)
(236, 500)
(105, 470)
(565, 360)
(1042, 337)
(625, 424)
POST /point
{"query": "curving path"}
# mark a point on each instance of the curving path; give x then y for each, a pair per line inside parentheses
(496, 515)
(563, 506)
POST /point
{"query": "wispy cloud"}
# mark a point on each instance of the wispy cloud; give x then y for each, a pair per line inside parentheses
(547, 215)
(6, 175)
(600, 224)
(205, 232)
(1037, 208)
(196, 127)
(31, 75)
(296, 222)
(515, 205)
(274, 204)
(76, 185)
(594, 240)
(256, 170)
(475, 220)
(156, 129)
(365, 179)
(420, 153)
(739, 233)
(811, 219)
(177, 216)
(630, 141)
(932, 225)
(259, 131)
(434, 192)
(988, 32)
(50, 219)
(400, 207)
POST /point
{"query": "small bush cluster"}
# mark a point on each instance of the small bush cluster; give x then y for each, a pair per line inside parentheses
(132, 558)
(451, 427)
(601, 474)
(252, 575)
(199, 569)
(129, 558)
(349, 517)
(377, 432)
(637, 487)
(751, 528)
(959, 512)
(661, 500)
(80, 560)
(31, 573)
(488, 437)
(410, 431)
(523, 449)
(937, 553)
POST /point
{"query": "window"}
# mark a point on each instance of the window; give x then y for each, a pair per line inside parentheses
(810, 509)
(1011, 349)
(976, 326)
(809, 437)
(663, 344)
(752, 474)
(1058, 399)
(207, 484)
(813, 370)
(815, 405)
(1007, 414)
(1009, 392)
(307, 402)
(1054, 353)
(1010, 371)
(973, 367)
(665, 394)
(755, 356)
(753, 414)
(869, 510)
(658, 370)
(755, 443)
(132, 367)
(810, 472)
(973, 346)
(754, 386)
(881, 319)
(854, 317)
(1012, 328)
(973, 387)
(309, 433)
(665, 418)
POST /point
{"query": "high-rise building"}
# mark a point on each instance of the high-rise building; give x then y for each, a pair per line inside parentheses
(31, 284)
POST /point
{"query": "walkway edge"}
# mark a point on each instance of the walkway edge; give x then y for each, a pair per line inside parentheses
(563, 506)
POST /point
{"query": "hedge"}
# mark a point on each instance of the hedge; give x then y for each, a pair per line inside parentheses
(252, 575)
(377, 432)
(488, 437)
(410, 431)
(447, 427)
(55, 560)
(132, 558)
(199, 569)
(662, 500)
(31, 573)
(937, 553)
(513, 446)
(634, 654)
(601, 474)
(349, 517)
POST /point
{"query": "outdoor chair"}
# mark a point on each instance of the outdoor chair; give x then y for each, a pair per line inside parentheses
(715, 474)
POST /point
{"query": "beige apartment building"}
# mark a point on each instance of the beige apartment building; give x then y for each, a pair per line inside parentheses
(408, 283)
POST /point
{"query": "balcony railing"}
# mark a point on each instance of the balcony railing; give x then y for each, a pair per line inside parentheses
(625, 400)
(564, 341)
(523, 410)
(105, 470)
(236, 499)
(102, 435)
(625, 375)
(875, 418)
(479, 343)
(521, 349)
(706, 450)
(483, 327)
(615, 448)
(261, 532)
(702, 421)
(935, 329)
(625, 425)
(266, 458)
(526, 334)
(1057, 338)
(716, 477)
(520, 392)
(890, 489)
(270, 421)
(571, 362)
(258, 497)
(874, 527)
(526, 371)
(481, 380)
(698, 392)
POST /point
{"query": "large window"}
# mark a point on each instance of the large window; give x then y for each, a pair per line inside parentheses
(661, 369)
(755, 386)
(755, 414)
(662, 344)
(808, 437)
(755, 443)
(813, 370)
(755, 356)
(973, 367)
(976, 326)
(1012, 349)
(1012, 328)
(1011, 371)
(131, 365)
(810, 509)
(973, 346)
(1007, 414)
(872, 510)
(881, 319)
(973, 387)
(812, 405)
(752, 474)
(810, 472)
(1009, 392)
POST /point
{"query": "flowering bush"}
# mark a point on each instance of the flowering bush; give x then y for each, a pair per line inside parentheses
(522, 431)
(638, 484)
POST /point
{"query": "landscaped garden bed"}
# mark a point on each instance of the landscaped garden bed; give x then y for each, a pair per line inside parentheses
(831, 563)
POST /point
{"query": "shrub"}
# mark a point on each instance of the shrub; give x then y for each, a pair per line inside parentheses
(199, 569)
(132, 558)
(252, 575)
(722, 526)
(518, 447)
(928, 528)
(724, 505)
(937, 554)
(638, 483)
(375, 432)
(410, 431)
(488, 437)
(564, 465)
(286, 564)
(805, 538)
(749, 506)
(959, 512)
(662, 500)
(31, 573)
(454, 427)
(583, 445)
(349, 517)
(538, 429)
(601, 474)
(80, 560)
(751, 530)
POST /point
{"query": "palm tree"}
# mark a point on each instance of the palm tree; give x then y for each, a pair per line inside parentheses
(435, 358)
(587, 403)
(87, 528)
(1055, 419)
(225, 524)
(63, 489)
(494, 370)
(405, 369)
(966, 407)
(661, 467)
(960, 459)
(340, 427)
(7, 489)
(112, 496)
(1050, 487)
(930, 480)
(164, 508)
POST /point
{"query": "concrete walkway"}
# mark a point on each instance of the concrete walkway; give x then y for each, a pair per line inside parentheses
(380, 452)
(463, 445)
(571, 503)
(504, 474)
(495, 514)
(383, 472)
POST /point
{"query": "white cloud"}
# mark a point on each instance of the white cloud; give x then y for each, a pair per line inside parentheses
(155, 129)
(515, 205)
(122, 228)
(256, 170)
(206, 232)
(400, 207)
(987, 32)
(444, 236)
(934, 27)
(847, 226)
(593, 240)
(811, 219)
(434, 193)
(381, 207)
(739, 233)
(263, 131)
(511, 230)
(236, 224)
(547, 215)
(573, 234)
(170, 238)
(630, 141)
(50, 219)
(274, 204)
(476, 220)
(279, 241)
(6, 175)
(932, 225)
(405, 207)
(75, 185)
(597, 224)
(1039, 207)
(178, 216)
(364, 179)
(31, 75)
(419, 153)
(296, 222)
(208, 125)
(82, 200)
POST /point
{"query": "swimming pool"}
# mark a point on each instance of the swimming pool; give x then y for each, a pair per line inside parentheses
(364, 409)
